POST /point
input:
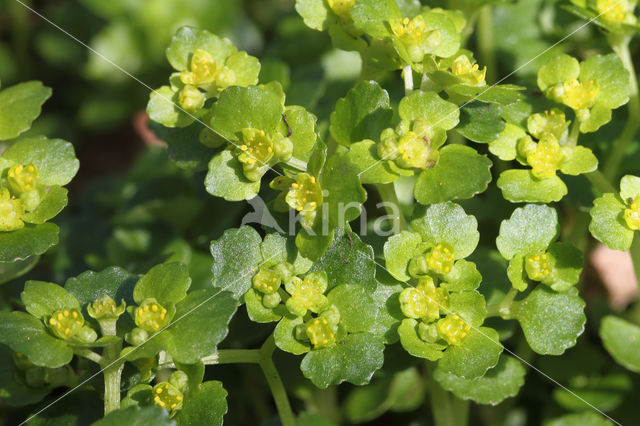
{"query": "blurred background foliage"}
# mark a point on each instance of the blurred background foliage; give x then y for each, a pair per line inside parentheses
(131, 207)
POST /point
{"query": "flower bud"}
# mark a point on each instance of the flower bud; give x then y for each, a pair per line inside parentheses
(283, 148)
(342, 8)
(86, 335)
(538, 266)
(105, 308)
(553, 121)
(30, 199)
(271, 300)
(428, 332)
(469, 73)
(136, 337)
(191, 99)
(267, 281)
(180, 380)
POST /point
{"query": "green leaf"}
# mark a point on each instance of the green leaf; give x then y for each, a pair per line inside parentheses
(629, 187)
(167, 283)
(226, 178)
(481, 122)
(386, 298)
(557, 70)
(450, 37)
(364, 156)
(353, 361)
(499, 383)
(428, 105)
(348, 260)
(470, 306)
(183, 146)
(520, 186)
(257, 311)
(163, 108)
(371, 16)
(597, 117)
(530, 229)
(236, 258)
(363, 114)
(137, 416)
(206, 406)
(54, 159)
(313, 12)
(479, 352)
(27, 335)
(245, 67)
(607, 224)
(448, 222)
(312, 246)
(55, 199)
(346, 194)
(580, 160)
(261, 109)
(302, 125)
(414, 345)
(200, 323)
(317, 158)
(568, 262)
(28, 241)
(621, 339)
(13, 389)
(464, 276)
(504, 147)
(443, 183)
(516, 272)
(114, 282)
(504, 94)
(12, 270)
(611, 76)
(551, 321)
(19, 106)
(41, 299)
(188, 39)
(399, 250)
(284, 336)
(358, 312)
(586, 418)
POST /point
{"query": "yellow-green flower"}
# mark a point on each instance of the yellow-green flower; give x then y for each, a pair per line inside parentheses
(267, 281)
(469, 73)
(11, 211)
(632, 215)
(167, 396)
(441, 258)
(105, 307)
(23, 178)
(538, 266)
(551, 121)
(305, 195)
(452, 329)
(307, 294)
(544, 157)
(342, 8)
(151, 316)
(416, 37)
(66, 323)
(320, 332)
(422, 302)
(613, 11)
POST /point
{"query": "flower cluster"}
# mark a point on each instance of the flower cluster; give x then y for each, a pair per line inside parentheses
(304, 194)
(22, 194)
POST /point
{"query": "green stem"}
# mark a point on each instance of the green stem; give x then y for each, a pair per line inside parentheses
(233, 356)
(600, 182)
(275, 383)
(504, 308)
(621, 47)
(391, 204)
(447, 409)
(574, 134)
(88, 354)
(486, 42)
(112, 366)
(407, 76)
(297, 164)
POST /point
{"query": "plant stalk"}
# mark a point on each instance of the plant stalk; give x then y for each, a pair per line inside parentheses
(112, 366)
(486, 42)
(600, 182)
(407, 76)
(233, 356)
(447, 409)
(574, 134)
(621, 47)
(275, 383)
(392, 206)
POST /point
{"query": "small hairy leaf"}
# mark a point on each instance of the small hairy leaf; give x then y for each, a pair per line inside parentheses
(621, 339)
(530, 229)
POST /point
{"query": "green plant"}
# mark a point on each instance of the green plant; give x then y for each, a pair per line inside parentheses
(449, 289)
